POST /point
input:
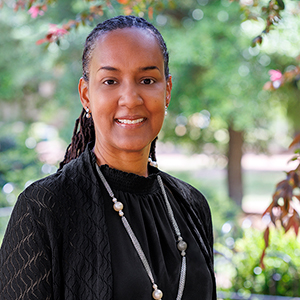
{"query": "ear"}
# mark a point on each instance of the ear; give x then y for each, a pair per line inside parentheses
(168, 91)
(84, 93)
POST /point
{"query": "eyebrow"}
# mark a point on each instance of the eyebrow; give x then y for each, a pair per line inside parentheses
(109, 68)
(149, 68)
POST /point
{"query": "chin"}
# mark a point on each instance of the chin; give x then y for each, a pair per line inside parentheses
(132, 148)
(133, 145)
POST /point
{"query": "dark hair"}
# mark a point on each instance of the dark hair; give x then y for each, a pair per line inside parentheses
(84, 131)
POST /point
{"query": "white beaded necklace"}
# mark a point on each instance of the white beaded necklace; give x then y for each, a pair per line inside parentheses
(181, 244)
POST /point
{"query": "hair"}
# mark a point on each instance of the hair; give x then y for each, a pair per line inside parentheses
(84, 131)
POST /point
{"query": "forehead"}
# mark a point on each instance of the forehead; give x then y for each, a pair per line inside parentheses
(128, 44)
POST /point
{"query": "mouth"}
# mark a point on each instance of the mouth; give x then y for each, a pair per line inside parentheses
(130, 122)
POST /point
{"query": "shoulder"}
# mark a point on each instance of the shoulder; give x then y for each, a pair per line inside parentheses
(190, 193)
(190, 197)
(76, 173)
(63, 187)
(56, 200)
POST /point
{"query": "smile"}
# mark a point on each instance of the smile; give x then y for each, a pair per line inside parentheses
(125, 121)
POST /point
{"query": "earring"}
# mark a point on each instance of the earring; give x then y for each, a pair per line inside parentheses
(88, 114)
(152, 163)
(166, 110)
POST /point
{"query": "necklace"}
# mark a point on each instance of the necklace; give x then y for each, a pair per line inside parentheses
(181, 244)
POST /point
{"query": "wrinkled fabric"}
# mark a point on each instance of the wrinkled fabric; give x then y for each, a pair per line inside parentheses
(57, 243)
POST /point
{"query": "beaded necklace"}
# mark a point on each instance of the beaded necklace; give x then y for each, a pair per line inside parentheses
(181, 244)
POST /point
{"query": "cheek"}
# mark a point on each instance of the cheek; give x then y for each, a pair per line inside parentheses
(103, 101)
(158, 116)
(157, 100)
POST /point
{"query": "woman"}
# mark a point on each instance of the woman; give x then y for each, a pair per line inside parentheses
(109, 224)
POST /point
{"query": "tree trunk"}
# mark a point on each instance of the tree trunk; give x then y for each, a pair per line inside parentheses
(234, 168)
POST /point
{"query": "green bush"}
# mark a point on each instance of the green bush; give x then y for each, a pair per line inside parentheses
(19, 165)
(282, 264)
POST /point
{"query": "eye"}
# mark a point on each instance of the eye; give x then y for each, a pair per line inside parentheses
(109, 82)
(147, 81)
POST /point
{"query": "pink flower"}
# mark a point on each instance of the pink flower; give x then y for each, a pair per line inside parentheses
(53, 34)
(35, 11)
(275, 75)
(57, 32)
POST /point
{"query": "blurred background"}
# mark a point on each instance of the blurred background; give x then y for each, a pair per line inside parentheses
(226, 133)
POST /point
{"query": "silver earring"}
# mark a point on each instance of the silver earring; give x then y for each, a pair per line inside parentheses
(152, 163)
(88, 114)
(166, 110)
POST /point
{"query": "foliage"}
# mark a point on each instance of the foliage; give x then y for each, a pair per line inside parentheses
(217, 78)
(283, 16)
(278, 16)
(85, 12)
(270, 12)
(282, 210)
(282, 264)
(29, 94)
(284, 85)
(19, 165)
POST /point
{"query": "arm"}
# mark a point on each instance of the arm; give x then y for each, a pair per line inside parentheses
(25, 256)
(203, 211)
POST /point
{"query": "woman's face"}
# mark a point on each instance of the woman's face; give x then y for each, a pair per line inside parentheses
(127, 90)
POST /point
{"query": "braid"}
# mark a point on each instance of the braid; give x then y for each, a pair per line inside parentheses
(86, 132)
(152, 153)
(81, 137)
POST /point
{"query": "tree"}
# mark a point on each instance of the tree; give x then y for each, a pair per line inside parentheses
(30, 95)
(232, 107)
(217, 76)
(284, 85)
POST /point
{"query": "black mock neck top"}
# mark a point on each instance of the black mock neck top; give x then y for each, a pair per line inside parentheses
(146, 212)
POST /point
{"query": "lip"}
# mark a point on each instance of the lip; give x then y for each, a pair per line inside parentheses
(130, 121)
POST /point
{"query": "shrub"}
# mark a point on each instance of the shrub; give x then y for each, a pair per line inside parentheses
(282, 264)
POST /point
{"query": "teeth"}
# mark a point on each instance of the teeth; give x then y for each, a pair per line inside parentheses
(123, 121)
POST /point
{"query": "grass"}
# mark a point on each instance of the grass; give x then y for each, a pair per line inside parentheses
(258, 188)
(256, 183)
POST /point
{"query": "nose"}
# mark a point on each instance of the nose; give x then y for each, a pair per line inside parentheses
(130, 96)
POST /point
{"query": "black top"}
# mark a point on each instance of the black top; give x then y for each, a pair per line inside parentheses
(146, 212)
(57, 245)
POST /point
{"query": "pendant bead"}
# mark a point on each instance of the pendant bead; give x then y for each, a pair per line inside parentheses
(182, 246)
(157, 294)
(118, 206)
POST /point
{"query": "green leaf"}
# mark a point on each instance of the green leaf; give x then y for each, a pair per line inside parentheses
(257, 40)
(281, 4)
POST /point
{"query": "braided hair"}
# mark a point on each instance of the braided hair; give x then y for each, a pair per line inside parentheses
(84, 130)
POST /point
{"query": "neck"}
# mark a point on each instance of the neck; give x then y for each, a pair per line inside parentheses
(130, 162)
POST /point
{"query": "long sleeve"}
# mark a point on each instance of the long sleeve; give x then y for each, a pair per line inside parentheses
(25, 257)
(56, 244)
(202, 210)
